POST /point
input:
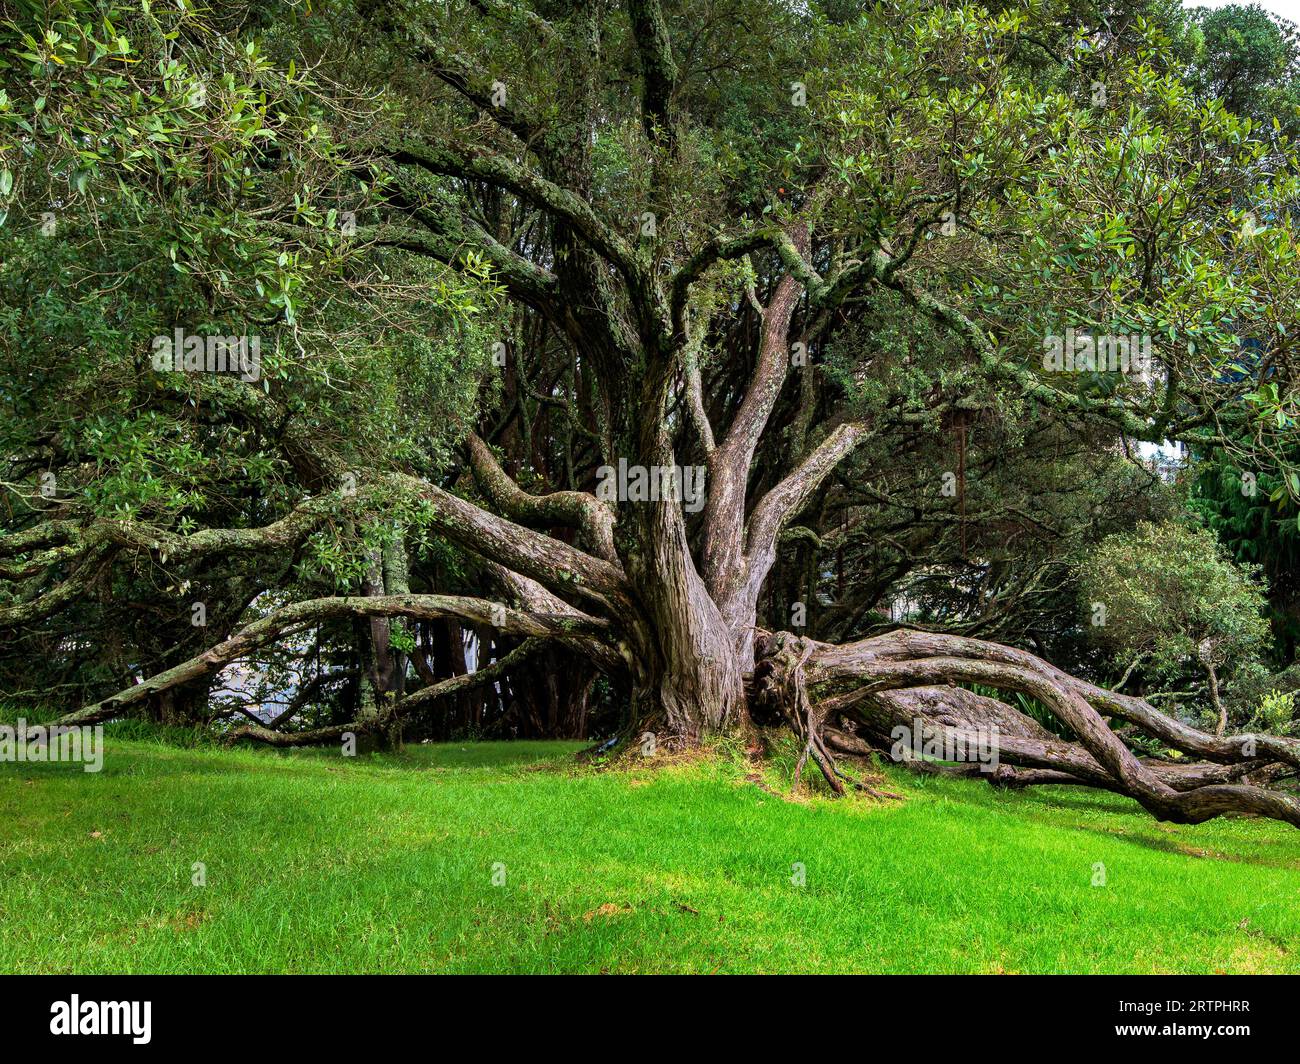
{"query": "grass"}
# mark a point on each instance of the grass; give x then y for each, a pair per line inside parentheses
(315, 863)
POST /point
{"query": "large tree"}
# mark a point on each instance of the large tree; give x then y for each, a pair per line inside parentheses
(696, 212)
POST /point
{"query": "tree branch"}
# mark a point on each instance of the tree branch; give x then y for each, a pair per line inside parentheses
(576, 509)
(658, 70)
(784, 500)
(479, 612)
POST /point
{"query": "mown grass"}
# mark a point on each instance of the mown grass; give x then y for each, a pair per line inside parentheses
(316, 863)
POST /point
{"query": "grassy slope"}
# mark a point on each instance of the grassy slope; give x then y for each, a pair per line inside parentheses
(316, 863)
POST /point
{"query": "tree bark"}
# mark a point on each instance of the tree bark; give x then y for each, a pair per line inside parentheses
(1219, 709)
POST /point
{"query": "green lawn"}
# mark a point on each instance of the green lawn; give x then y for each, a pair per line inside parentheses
(315, 863)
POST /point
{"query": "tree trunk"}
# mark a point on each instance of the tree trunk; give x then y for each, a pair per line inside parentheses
(1222, 724)
(687, 672)
(689, 685)
(183, 707)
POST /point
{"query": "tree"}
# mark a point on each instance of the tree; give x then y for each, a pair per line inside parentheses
(1169, 594)
(1249, 60)
(659, 192)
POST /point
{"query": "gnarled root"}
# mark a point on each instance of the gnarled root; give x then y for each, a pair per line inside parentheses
(866, 691)
(782, 683)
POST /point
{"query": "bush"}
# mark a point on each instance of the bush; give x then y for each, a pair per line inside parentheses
(1275, 713)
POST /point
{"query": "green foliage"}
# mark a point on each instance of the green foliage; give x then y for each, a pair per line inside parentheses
(230, 171)
(1275, 713)
(1255, 516)
(400, 637)
(151, 105)
(1250, 59)
(1253, 683)
(150, 158)
(1171, 594)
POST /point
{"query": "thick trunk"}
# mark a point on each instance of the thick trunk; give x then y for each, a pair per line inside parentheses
(184, 707)
(688, 677)
(687, 672)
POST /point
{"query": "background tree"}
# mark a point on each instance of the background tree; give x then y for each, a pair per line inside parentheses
(1164, 595)
(1249, 59)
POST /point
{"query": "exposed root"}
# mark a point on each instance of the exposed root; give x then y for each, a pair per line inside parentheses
(784, 685)
(866, 692)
